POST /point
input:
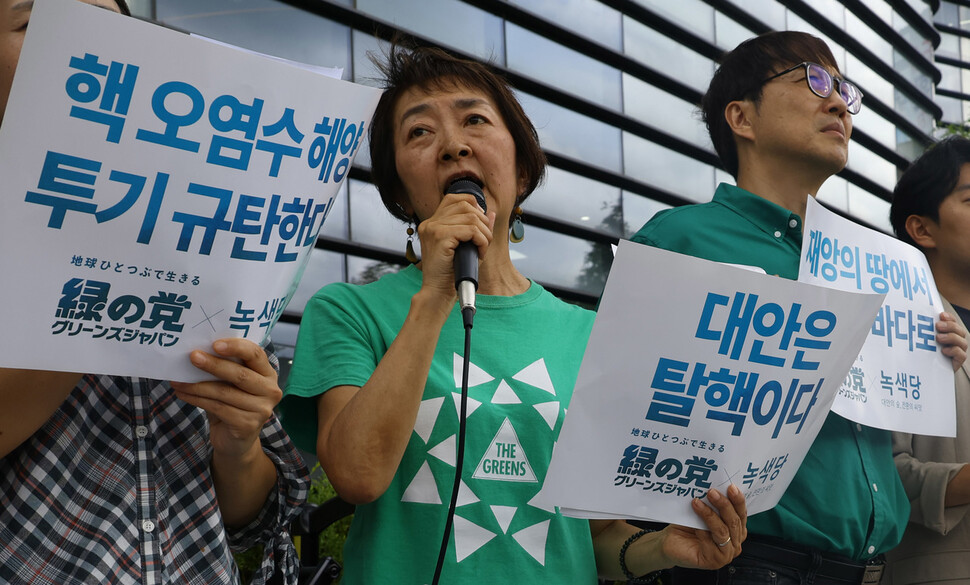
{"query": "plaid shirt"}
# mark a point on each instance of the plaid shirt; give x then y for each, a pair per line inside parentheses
(116, 489)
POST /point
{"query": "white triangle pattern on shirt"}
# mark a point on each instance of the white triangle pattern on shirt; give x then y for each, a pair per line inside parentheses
(469, 537)
(446, 450)
(504, 394)
(504, 515)
(471, 407)
(476, 375)
(423, 489)
(428, 417)
(465, 496)
(536, 374)
(549, 412)
(533, 540)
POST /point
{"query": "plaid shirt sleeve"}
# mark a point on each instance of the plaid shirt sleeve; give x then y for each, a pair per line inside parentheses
(116, 488)
(271, 527)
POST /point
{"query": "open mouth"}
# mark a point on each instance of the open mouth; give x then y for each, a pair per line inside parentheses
(467, 177)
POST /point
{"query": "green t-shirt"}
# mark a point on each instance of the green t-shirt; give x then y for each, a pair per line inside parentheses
(525, 356)
(847, 497)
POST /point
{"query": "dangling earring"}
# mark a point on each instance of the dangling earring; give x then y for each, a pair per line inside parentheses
(409, 249)
(517, 231)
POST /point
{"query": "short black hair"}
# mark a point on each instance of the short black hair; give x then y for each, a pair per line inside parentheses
(407, 65)
(742, 73)
(927, 182)
(123, 6)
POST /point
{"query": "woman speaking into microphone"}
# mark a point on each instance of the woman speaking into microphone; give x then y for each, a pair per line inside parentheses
(377, 379)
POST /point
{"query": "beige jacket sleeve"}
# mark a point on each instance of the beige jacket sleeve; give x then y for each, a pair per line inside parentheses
(927, 464)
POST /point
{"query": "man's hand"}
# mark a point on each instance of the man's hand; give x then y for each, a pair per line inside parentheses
(952, 339)
(720, 543)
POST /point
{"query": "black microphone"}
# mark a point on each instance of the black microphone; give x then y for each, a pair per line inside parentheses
(466, 255)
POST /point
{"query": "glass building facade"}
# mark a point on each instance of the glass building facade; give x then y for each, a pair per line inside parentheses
(611, 86)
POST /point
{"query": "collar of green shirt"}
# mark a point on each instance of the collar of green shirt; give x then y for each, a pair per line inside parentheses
(769, 217)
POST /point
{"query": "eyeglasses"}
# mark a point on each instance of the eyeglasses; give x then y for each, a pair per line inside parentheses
(821, 82)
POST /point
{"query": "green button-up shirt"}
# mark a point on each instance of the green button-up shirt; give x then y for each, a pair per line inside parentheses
(847, 497)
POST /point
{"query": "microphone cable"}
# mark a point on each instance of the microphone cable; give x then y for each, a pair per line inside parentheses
(466, 283)
(467, 316)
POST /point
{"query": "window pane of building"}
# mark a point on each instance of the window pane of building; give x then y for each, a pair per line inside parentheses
(964, 17)
(964, 49)
(873, 85)
(322, 268)
(796, 22)
(364, 47)
(637, 210)
(668, 170)
(657, 108)
(948, 15)
(577, 200)
(913, 36)
(908, 146)
(913, 112)
(951, 77)
(913, 74)
(872, 40)
(728, 33)
(658, 51)
(952, 109)
(871, 165)
(834, 192)
(876, 126)
(266, 26)
(575, 135)
(869, 208)
(964, 80)
(371, 223)
(949, 46)
(449, 22)
(588, 18)
(771, 12)
(544, 60)
(693, 15)
(831, 10)
(882, 9)
(562, 260)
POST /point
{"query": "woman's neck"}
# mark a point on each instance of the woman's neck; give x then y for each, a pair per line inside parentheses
(497, 275)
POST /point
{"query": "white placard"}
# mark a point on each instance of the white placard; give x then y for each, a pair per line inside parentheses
(900, 381)
(160, 191)
(699, 375)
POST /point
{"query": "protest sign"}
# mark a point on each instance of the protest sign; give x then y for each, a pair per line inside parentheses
(160, 191)
(699, 375)
(900, 380)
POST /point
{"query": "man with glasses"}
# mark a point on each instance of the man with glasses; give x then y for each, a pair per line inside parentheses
(779, 116)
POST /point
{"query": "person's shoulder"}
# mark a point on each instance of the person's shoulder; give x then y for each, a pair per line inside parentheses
(568, 312)
(345, 291)
(673, 221)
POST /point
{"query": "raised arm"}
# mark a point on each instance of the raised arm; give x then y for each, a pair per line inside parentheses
(238, 404)
(364, 431)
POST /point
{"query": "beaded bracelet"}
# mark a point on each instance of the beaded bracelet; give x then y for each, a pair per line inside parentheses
(630, 577)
